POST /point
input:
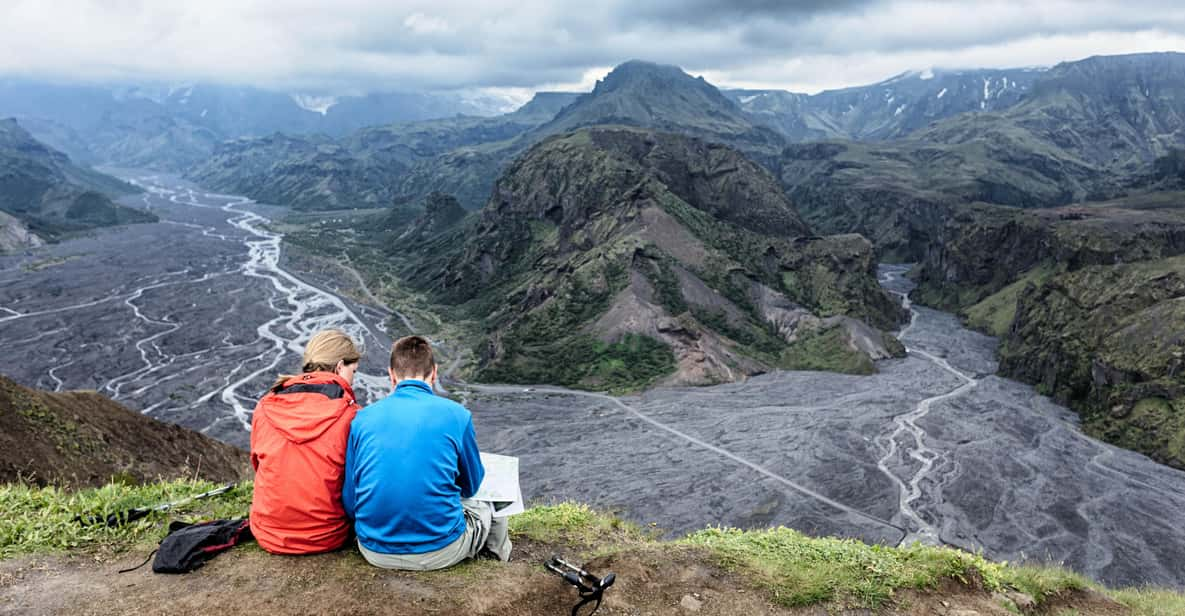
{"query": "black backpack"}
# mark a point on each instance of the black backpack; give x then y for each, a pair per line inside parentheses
(188, 546)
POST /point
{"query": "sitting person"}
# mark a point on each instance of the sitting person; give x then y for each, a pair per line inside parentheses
(298, 448)
(412, 465)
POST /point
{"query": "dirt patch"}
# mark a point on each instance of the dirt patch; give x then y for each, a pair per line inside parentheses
(651, 580)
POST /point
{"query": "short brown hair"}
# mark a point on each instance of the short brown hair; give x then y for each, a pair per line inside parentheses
(411, 356)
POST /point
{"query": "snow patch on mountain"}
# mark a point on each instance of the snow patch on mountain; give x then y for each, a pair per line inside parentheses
(316, 104)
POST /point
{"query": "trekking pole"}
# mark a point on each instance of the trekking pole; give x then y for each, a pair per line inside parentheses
(131, 515)
(590, 587)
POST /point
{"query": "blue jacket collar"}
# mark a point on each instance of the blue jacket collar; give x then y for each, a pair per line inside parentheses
(413, 384)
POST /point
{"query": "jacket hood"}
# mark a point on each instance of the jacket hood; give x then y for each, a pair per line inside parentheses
(307, 405)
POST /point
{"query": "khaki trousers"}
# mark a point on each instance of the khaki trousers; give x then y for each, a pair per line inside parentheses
(482, 530)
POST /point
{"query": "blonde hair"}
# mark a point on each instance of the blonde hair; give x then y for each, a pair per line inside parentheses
(325, 349)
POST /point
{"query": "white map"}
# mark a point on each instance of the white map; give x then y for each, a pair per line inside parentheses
(500, 486)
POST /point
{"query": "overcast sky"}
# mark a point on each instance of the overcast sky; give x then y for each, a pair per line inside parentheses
(518, 46)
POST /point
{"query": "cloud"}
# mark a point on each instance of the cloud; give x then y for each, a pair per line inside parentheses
(351, 46)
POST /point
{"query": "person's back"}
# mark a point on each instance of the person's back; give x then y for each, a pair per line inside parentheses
(298, 447)
(411, 462)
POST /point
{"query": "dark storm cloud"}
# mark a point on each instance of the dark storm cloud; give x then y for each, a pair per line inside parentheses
(723, 12)
(366, 45)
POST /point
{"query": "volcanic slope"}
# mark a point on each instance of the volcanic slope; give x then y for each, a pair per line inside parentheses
(81, 438)
(617, 257)
(49, 195)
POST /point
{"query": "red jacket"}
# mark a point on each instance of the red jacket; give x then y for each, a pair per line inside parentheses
(298, 449)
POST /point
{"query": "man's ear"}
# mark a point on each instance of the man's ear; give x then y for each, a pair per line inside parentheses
(394, 379)
(435, 376)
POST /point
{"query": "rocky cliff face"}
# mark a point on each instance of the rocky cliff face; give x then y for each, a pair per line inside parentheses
(981, 249)
(609, 249)
(1110, 340)
(14, 235)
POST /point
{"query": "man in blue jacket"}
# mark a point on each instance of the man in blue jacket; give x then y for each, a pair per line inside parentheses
(412, 465)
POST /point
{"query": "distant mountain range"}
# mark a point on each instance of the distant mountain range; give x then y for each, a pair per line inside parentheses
(918, 141)
(43, 194)
(886, 110)
(1086, 130)
(172, 127)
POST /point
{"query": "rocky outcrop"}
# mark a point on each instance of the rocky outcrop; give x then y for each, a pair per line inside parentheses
(615, 247)
(84, 439)
(982, 249)
(441, 212)
(16, 236)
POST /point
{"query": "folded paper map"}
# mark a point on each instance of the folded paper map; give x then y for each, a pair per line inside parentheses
(500, 486)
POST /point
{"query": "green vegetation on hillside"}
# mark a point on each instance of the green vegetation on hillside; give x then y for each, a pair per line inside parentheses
(994, 314)
(826, 349)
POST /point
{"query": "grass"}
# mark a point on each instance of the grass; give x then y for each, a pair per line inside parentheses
(573, 523)
(43, 519)
(1151, 601)
(826, 349)
(994, 314)
(796, 570)
(801, 570)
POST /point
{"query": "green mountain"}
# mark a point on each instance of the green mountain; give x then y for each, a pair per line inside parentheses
(80, 439)
(617, 257)
(49, 195)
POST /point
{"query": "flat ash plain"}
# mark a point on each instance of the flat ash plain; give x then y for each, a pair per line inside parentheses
(190, 319)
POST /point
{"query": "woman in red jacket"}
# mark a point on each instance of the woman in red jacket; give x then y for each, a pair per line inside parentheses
(298, 448)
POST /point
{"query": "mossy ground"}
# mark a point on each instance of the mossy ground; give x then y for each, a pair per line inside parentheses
(994, 314)
(826, 349)
(791, 569)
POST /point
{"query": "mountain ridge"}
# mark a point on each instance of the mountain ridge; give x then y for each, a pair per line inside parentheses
(49, 196)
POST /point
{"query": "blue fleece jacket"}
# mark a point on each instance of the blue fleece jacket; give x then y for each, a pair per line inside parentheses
(411, 458)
